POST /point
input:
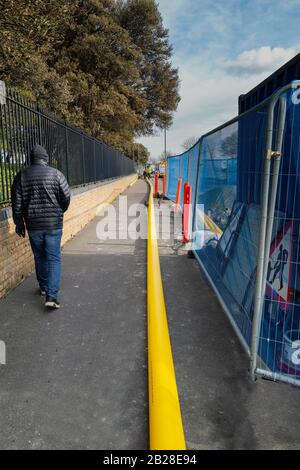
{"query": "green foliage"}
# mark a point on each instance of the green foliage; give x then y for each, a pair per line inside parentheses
(229, 145)
(141, 155)
(160, 80)
(189, 143)
(104, 65)
(7, 174)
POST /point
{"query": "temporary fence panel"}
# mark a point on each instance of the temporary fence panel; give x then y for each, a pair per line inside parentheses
(192, 177)
(80, 157)
(234, 185)
(184, 174)
(193, 166)
(279, 337)
(185, 167)
(223, 228)
(173, 174)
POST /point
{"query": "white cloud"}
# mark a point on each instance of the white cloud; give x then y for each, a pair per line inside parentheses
(218, 50)
(209, 98)
(263, 59)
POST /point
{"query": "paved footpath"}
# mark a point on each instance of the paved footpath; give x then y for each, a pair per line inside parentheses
(77, 378)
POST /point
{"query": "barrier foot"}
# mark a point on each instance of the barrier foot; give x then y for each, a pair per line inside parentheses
(191, 254)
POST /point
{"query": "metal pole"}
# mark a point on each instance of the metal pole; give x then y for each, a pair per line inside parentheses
(67, 153)
(278, 377)
(262, 259)
(196, 186)
(165, 140)
(95, 166)
(257, 315)
(275, 172)
(4, 173)
(40, 134)
(82, 158)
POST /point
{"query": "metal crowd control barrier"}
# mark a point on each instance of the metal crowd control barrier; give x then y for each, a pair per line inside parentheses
(166, 429)
(245, 178)
(80, 157)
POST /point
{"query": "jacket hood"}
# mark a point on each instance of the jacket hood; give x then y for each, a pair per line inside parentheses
(38, 153)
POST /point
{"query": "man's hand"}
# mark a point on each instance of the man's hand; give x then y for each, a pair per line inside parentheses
(20, 230)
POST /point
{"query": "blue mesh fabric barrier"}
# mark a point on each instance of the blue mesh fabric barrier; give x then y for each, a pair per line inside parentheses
(173, 173)
(185, 167)
(193, 166)
(280, 332)
(184, 173)
(226, 228)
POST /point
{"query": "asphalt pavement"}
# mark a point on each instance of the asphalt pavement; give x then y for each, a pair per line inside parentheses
(76, 378)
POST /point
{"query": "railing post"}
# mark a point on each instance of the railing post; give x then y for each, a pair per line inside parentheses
(67, 152)
(38, 112)
(95, 166)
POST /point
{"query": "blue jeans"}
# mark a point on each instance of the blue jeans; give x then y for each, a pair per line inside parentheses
(45, 245)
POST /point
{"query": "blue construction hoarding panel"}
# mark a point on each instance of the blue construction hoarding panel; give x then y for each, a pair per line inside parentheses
(227, 181)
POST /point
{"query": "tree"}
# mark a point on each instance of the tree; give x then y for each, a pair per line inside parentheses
(29, 32)
(104, 65)
(101, 65)
(189, 143)
(143, 21)
(229, 145)
(140, 154)
(164, 155)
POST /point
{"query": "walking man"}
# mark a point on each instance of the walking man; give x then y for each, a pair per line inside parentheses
(40, 196)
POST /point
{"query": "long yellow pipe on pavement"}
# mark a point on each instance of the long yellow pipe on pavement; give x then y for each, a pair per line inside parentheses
(166, 429)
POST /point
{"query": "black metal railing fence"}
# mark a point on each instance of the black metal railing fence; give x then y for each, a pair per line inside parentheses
(81, 158)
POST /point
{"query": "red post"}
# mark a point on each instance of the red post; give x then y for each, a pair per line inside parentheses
(178, 194)
(186, 213)
(164, 185)
(156, 185)
(184, 199)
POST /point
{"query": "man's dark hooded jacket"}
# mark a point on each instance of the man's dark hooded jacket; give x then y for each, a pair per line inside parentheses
(40, 194)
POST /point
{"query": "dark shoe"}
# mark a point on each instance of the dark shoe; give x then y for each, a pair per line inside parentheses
(52, 303)
(41, 292)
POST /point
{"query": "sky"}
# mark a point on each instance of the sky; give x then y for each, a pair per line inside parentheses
(222, 48)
